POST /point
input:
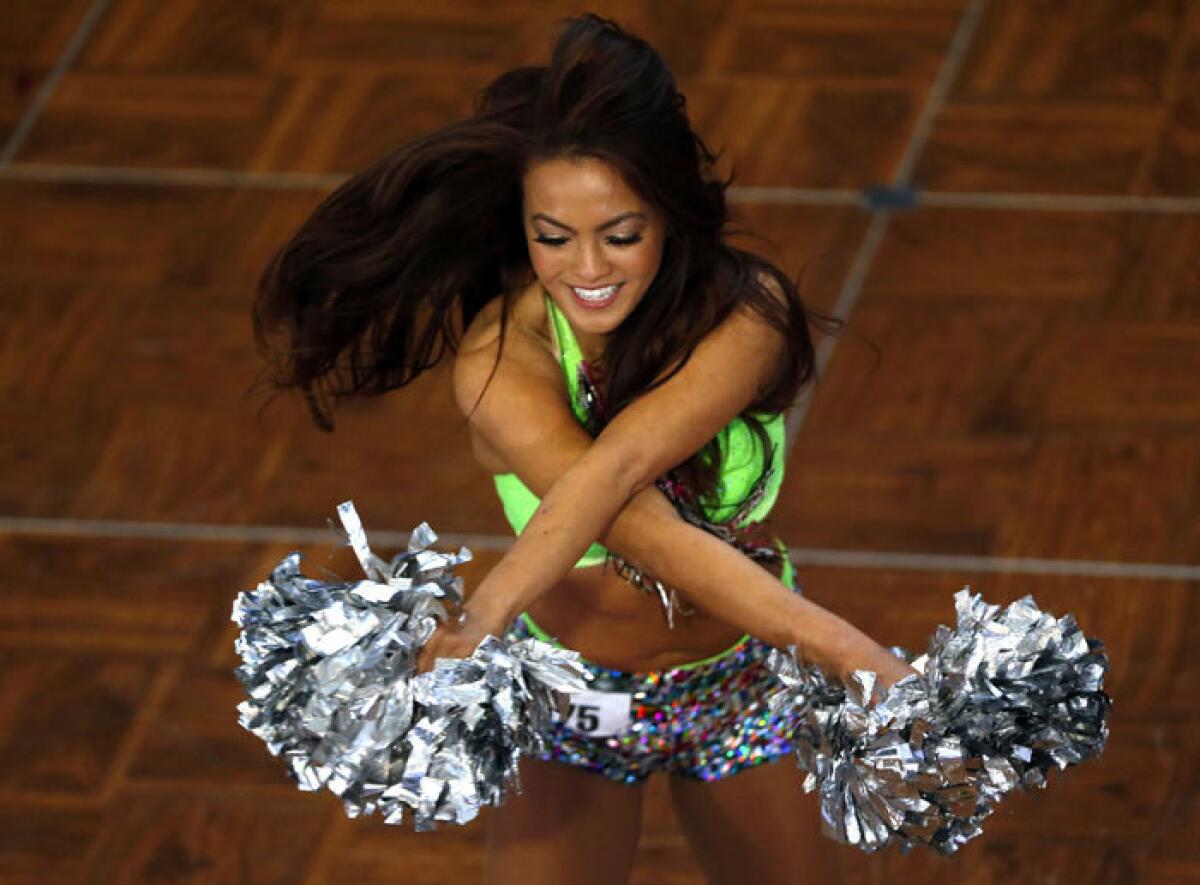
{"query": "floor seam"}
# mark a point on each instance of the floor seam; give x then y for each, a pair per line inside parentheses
(864, 257)
(384, 539)
(25, 125)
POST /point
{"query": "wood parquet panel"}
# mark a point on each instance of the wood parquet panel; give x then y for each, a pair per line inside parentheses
(1048, 396)
(801, 96)
(1086, 97)
(204, 836)
(1130, 265)
(31, 41)
(1069, 496)
(1037, 394)
(45, 846)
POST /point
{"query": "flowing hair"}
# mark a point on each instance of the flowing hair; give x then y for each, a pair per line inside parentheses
(388, 271)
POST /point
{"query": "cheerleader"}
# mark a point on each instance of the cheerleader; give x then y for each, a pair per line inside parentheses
(624, 371)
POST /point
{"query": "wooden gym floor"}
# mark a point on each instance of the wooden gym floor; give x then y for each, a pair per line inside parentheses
(1004, 197)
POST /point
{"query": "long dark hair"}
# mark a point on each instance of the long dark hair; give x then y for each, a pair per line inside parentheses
(381, 280)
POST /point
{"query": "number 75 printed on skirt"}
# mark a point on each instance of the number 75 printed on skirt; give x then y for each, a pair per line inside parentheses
(597, 713)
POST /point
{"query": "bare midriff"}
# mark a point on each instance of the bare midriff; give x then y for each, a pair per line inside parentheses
(612, 623)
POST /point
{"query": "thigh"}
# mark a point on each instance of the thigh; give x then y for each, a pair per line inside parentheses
(755, 826)
(567, 825)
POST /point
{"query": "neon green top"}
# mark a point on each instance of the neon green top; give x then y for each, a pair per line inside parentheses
(742, 460)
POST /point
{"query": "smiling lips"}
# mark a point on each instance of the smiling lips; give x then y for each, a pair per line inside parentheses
(596, 298)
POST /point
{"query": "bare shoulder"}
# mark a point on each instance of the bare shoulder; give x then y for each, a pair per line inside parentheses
(761, 341)
(749, 321)
(524, 351)
(522, 313)
(513, 392)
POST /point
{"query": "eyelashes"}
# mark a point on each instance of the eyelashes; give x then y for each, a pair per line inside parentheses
(612, 241)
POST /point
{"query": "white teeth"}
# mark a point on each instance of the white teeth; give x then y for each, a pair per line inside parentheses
(595, 294)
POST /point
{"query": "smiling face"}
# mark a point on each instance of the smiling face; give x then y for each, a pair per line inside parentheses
(595, 245)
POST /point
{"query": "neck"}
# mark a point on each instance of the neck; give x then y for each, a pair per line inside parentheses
(590, 344)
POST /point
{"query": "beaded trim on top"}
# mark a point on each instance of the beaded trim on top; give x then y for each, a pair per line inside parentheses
(751, 538)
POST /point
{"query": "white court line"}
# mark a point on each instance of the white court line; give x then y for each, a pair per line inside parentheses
(865, 256)
(114, 529)
(175, 177)
(945, 562)
(795, 196)
(1059, 202)
(846, 300)
(745, 195)
(955, 54)
(25, 124)
(118, 529)
(975, 200)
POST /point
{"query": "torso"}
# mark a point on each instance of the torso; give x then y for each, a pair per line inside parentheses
(605, 618)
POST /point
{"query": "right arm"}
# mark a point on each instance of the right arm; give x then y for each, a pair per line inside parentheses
(525, 419)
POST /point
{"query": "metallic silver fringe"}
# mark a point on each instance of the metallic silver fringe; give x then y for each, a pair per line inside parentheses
(1002, 699)
(329, 670)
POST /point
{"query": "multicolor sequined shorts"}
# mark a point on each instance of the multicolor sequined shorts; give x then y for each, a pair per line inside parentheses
(705, 720)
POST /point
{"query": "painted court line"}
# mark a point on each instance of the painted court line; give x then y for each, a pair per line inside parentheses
(956, 53)
(847, 297)
(865, 256)
(744, 195)
(1059, 202)
(25, 124)
(940, 562)
(384, 540)
(174, 177)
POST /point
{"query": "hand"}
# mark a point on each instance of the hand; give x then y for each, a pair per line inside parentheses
(887, 667)
(457, 640)
(857, 651)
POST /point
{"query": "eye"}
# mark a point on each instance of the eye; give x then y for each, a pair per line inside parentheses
(549, 241)
(625, 241)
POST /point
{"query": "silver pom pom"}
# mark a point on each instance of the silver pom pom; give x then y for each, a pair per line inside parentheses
(1001, 700)
(329, 671)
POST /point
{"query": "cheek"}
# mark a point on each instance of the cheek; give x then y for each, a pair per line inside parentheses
(544, 262)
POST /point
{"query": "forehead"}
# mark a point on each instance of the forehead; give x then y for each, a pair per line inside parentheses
(583, 187)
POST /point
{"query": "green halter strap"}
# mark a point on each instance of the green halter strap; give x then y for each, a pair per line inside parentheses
(570, 355)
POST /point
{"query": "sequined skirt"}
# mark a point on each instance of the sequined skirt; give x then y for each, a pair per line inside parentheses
(706, 720)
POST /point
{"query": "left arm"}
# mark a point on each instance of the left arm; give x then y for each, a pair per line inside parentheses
(659, 430)
(603, 489)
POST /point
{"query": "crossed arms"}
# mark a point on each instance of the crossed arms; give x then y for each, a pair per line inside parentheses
(604, 488)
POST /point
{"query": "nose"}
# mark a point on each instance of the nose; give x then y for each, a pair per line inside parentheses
(592, 265)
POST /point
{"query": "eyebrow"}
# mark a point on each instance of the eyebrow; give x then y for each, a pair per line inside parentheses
(612, 222)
